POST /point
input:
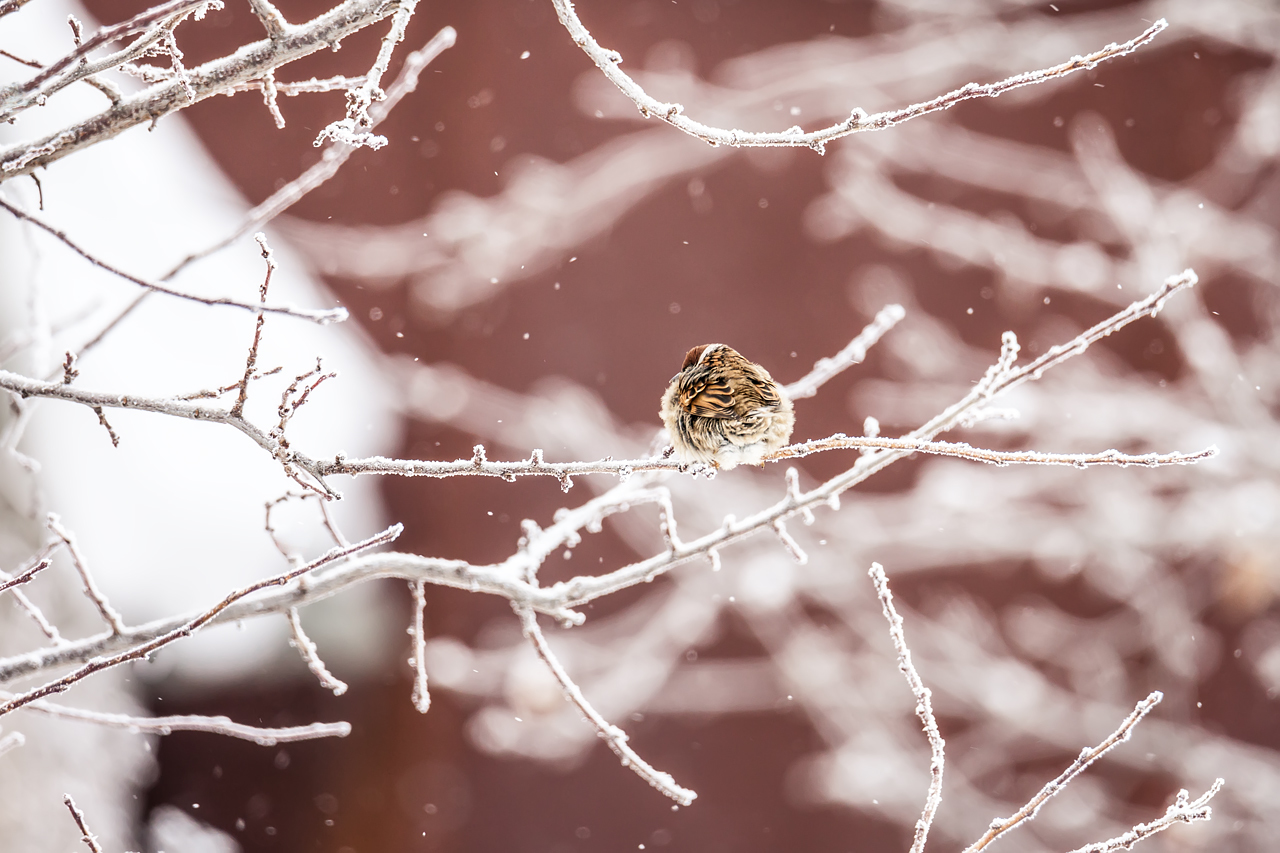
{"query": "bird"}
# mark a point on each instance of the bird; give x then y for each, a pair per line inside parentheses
(723, 410)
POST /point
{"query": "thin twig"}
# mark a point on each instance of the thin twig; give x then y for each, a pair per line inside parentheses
(854, 352)
(1086, 757)
(421, 696)
(192, 723)
(24, 576)
(1183, 810)
(335, 154)
(215, 77)
(334, 315)
(355, 128)
(90, 840)
(190, 627)
(608, 62)
(924, 708)
(109, 614)
(612, 735)
(311, 655)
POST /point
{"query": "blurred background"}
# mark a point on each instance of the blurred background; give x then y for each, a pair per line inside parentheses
(526, 263)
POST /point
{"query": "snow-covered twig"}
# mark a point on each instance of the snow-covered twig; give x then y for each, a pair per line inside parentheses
(250, 62)
(1182, 810)
(333, 315)
(1087, 756)
(90, 840)
(109, 614)
(335, 153)
(311, 655)
(421, 695)
(924, 708)
(608, 61)
(193, 723)
(189, 627)
(611, 734)
(853, 353)
(355, 128)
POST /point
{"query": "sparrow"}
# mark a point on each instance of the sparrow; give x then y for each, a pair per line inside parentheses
(723, 410)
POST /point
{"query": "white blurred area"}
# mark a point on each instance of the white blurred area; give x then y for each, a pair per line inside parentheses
(173, 519)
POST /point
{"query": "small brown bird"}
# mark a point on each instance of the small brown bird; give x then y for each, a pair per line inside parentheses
(724, 410)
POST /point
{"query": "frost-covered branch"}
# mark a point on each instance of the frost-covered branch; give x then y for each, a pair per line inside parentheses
(335, 153)
(608, 61)
(251, 62)
(924, 708)
(515, 578)
(332, 315)
(1087, 757)
(1182, 810)
(611, 734)
(189, 627)
(90, 840)
(192, 723)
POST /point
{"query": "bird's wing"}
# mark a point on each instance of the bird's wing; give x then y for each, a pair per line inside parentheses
(709, 398)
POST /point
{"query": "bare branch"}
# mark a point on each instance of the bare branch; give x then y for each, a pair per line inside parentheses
(608, 62)
(90, 840)
(612, 735)
(193, 625)
(1183, 810)
(1086, 757)
(251, 361)
(961, 450)
(192, 723)
(212, 78)
(109, 614)
(354, 129)
(421, 697)
(311, 655)
(155, 24)
(828, 368)
(334, 315)
(924, 707)
(336, 153)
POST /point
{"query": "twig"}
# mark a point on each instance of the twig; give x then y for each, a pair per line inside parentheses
(12, 741)
(251, 361)
(612, 735)
(334, 315)
(193, 723)
(1086, 757)
(421, 696)
(335, 154)
(24, 576)
(608, 62)
(109, 614)
(853, 353)
(960, 450)
(174, 407)
(90, 840)
(924, 707)
(354, 129)
(154, 24)
(248, 63)
(190, 627)
(311, 655)
(1183, 810)
(272, 21)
